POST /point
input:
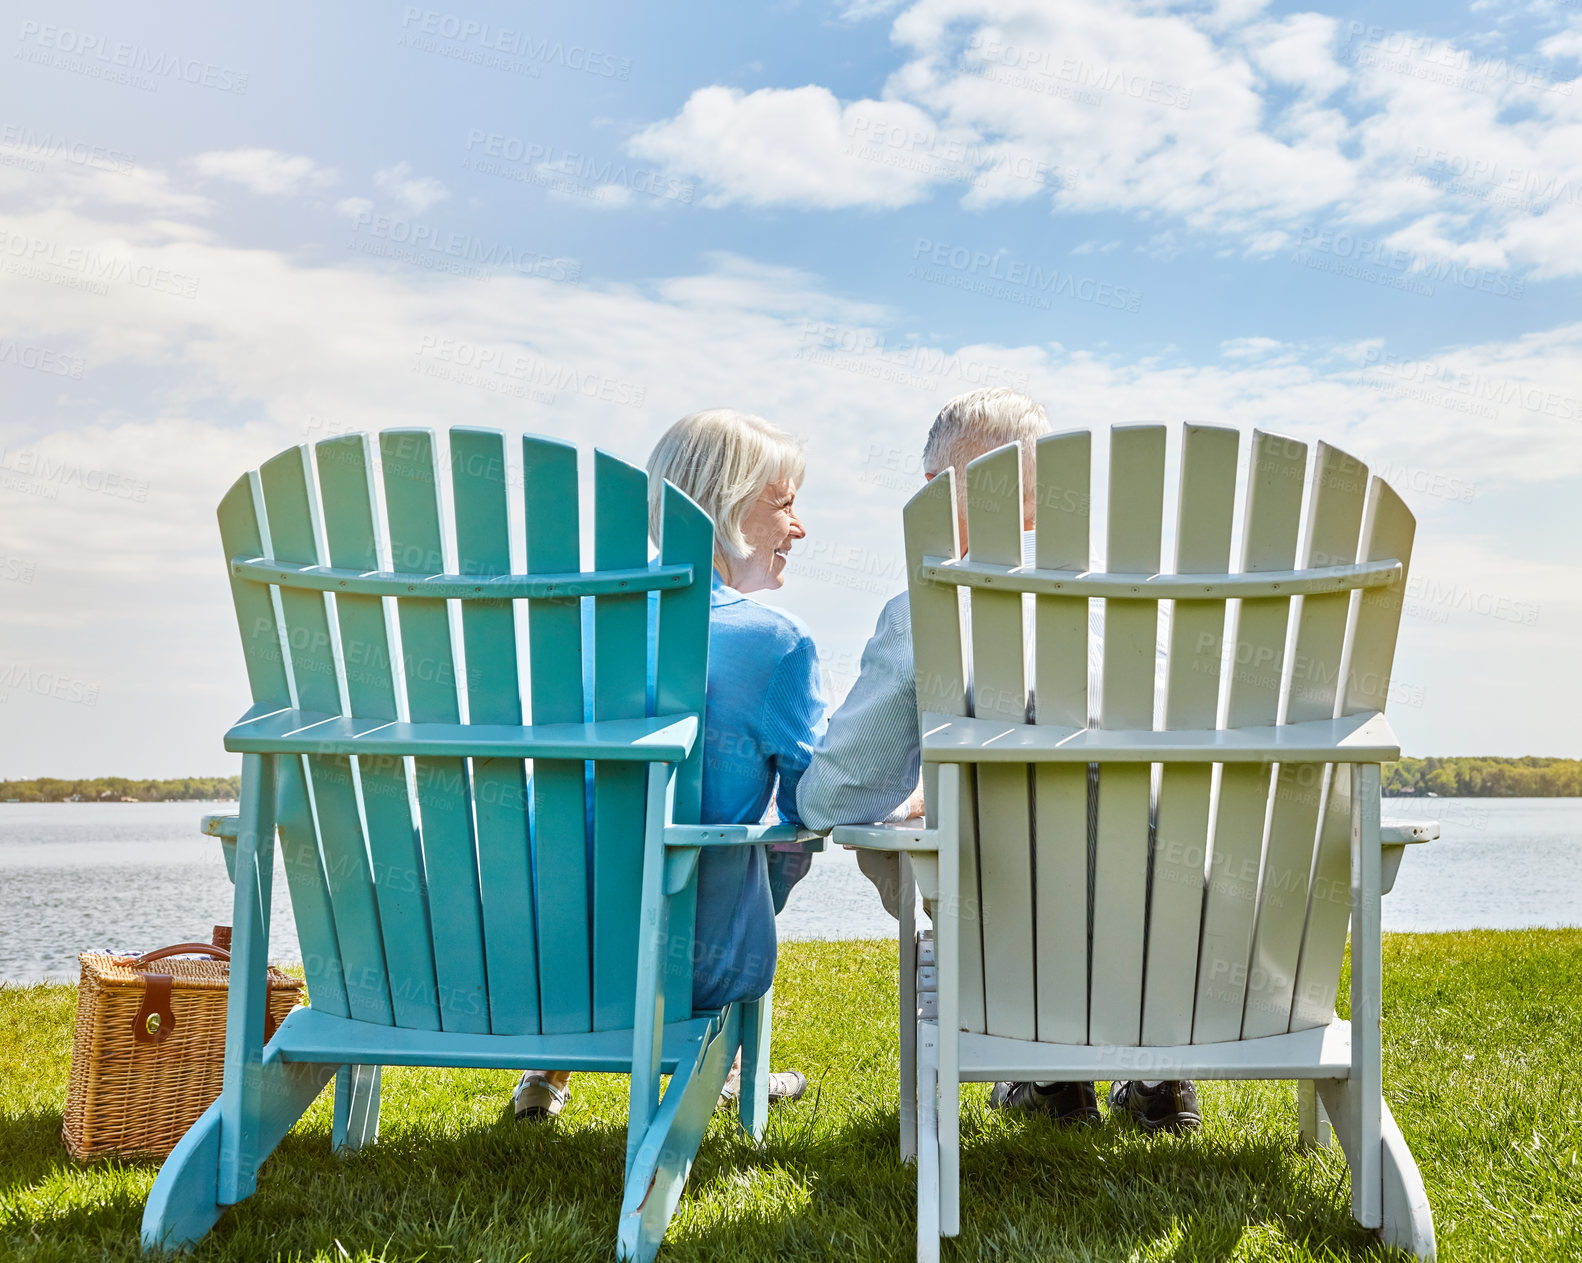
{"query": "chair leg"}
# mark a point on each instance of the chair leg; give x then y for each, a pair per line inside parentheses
(949, 1080)
(753, 1101)
(665, 1153)
(907, 1017)
(185, 1201)
(1312, 1121)
(356, 1108)
(1408, 1221)
(927, 1152)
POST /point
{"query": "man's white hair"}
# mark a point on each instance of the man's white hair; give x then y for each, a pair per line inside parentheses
(980, 421)
(723, 459)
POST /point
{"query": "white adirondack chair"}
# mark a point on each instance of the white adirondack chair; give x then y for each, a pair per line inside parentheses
(1195, 929)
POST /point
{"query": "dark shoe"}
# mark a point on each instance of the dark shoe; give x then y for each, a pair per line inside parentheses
(1064, 1102)
(1168, 1106)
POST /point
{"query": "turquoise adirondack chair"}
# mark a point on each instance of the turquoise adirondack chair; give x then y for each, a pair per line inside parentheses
(450, 907)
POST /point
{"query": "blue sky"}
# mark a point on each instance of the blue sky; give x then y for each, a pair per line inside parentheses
(226, 233)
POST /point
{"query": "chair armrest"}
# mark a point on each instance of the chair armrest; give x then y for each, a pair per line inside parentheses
(1394, 838)
(677, 835)
(1405, 831)
(684, 843)
(225, 828)
(902, 835)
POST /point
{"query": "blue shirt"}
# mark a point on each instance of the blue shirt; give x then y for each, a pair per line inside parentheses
(763, 715)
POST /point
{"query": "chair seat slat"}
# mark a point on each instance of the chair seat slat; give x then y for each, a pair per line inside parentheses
(660, 739)
(1363, 738)
(1197, 633)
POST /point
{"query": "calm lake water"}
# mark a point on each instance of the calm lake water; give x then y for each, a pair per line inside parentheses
(134, 876)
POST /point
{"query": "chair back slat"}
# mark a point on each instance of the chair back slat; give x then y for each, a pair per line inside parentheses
(242, 524)
(1269, 536)
(1333, 519)
(941, 681)
(681, 655)
(443, 784)
(999, 692)
(254, 603)
(1060, 792)
(288, 497)
(499, 791)
(393, 844)
(560, 809)
(1387, 531)
(620, 691)
(1131, 631)
(1206, 508)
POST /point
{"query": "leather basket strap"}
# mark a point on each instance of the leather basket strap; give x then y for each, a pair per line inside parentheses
(156, 1009)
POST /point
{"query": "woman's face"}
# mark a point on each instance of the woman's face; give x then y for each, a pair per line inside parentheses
(770, 527)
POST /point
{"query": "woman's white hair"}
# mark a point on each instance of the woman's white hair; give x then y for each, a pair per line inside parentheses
(723, 459)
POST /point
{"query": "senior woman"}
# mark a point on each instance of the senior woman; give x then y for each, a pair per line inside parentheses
(764, 710)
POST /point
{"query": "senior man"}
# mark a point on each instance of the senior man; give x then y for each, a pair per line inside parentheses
(867, 766)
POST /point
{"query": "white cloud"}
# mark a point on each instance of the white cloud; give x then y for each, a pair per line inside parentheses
(416, 193)
(184, 391)
(1568, 43)
(800, 145)
(266, 170)
(861, 10)
(1157, 111)
(354, 207)
(1298, 51)
(1249, 348)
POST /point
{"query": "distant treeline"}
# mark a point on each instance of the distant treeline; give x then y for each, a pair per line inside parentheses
(1474, 777)
(114, 789)
(1459, 777)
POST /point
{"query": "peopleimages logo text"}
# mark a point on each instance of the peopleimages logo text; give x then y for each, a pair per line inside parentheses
(99, 57)
(486, 38)
(1000, 275)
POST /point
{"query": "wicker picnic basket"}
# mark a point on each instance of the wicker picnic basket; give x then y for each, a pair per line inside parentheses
(147, 1057)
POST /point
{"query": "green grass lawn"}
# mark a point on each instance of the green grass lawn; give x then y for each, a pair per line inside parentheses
(1483, 1069)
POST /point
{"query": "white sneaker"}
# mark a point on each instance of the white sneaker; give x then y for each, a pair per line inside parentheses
(536, 1097)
